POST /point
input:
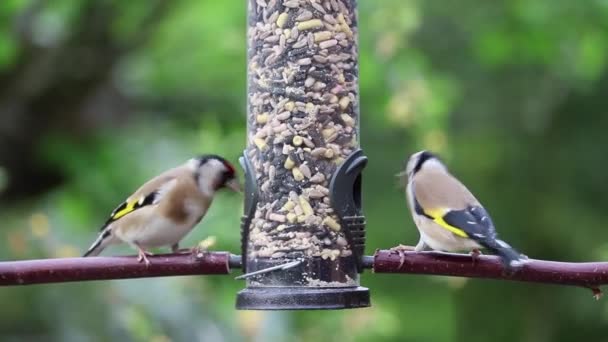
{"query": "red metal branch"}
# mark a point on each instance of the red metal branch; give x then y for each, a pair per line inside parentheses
(585, 274)
(99, 268)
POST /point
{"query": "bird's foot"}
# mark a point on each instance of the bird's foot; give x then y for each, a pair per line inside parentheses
(142, 255)
(475, 253)
(401, 249)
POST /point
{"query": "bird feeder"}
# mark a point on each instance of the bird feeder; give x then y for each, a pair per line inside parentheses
(303, 231)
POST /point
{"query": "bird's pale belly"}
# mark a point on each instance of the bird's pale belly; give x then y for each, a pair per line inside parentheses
(439, 238)
(157, 233)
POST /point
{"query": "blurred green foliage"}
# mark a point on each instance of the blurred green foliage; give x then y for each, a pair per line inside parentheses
(511, 93)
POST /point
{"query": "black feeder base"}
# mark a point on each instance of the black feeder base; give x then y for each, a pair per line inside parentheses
(302, 298)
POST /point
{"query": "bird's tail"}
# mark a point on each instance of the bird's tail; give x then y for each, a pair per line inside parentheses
(511, 258)
(102, 241)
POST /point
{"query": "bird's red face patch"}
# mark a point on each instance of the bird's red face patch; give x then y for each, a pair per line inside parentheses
(229, 167)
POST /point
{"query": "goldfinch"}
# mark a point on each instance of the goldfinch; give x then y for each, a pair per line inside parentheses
(166, 208)
(447, 214)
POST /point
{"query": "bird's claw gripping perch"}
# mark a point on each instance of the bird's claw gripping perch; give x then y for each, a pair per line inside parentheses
(142, 255)
(475, 253)
(401, 249)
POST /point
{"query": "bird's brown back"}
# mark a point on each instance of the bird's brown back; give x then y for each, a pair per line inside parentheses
(156, 182)
(439, 189)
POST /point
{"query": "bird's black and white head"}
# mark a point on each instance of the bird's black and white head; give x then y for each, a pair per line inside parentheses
(423, 160)
(213, 173)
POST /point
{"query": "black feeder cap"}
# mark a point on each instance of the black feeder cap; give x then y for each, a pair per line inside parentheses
(302, 298)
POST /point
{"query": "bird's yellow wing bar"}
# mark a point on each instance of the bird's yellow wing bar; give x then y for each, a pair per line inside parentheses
(437, 216)
(124, 209)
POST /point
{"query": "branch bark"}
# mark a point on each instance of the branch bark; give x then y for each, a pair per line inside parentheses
(102, 268)
(590, 275)
(585, 274)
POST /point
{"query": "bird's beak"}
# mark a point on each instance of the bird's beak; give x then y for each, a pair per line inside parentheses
(234, 185)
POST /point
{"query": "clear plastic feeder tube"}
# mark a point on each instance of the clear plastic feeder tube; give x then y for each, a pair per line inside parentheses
(302, 155)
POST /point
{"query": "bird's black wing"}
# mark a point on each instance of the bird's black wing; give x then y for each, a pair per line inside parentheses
(128, 207)
(474, 221)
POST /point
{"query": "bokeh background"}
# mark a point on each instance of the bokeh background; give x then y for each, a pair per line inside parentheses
(97, 96)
